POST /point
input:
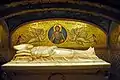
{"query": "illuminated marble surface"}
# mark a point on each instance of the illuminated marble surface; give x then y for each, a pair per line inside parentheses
(73, 65)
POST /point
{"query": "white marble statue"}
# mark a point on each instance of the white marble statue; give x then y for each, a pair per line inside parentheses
(52, 53)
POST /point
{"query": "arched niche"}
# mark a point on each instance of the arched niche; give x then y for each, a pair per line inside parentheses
(115, 37)
(4, 44)
(77, 34)
(1, 36)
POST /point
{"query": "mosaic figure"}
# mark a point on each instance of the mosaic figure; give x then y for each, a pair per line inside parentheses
(57, 35)
(81, 37)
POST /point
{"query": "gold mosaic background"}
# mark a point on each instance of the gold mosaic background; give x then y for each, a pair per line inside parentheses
(79, 34)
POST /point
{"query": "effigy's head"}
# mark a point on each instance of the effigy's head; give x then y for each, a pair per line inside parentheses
(23, 47)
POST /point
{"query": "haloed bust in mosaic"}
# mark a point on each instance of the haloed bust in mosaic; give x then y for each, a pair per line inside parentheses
(57, 34)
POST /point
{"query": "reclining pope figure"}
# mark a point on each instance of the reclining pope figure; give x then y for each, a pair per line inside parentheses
(51, 53)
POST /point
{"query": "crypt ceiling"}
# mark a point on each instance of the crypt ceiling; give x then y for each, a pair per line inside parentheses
(112, 3)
